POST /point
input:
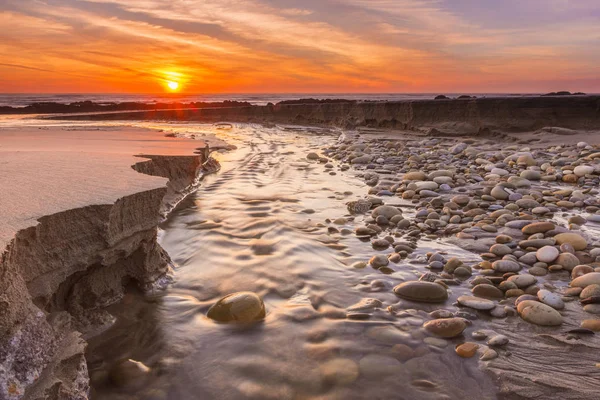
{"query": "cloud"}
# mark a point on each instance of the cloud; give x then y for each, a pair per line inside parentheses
(314, 45)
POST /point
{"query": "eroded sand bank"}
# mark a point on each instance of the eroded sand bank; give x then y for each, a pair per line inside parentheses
(77, 222)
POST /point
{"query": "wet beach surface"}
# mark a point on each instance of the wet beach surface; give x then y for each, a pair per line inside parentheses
(276, 223)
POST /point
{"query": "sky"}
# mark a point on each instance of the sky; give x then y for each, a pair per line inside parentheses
(308, 46)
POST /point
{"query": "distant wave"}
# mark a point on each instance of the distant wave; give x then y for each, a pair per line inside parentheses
(22, 100)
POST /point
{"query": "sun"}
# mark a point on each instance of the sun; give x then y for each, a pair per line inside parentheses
(173, 85)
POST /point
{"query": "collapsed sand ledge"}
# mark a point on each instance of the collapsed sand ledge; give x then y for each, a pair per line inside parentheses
(56, 276)
(452, 116)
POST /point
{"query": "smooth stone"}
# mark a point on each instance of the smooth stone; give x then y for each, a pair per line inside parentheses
(538, 271)
(364, 159)
(380, 244)
(590, 291)
(547, 254)
(593, 278)
(367, 304)
(467, 350)
(446, 327)
(415, 176)
(583, 170)
(551, 299)
(540, 210)
(476, 303)
(487, 290)
(425, 185)
(422, 291)
(567, 260)
(518, 223)
(522, 280)
(386, 211)
(531, 175)
(506, 266)
(539, 313)
(592, 308)
(581, 270)
(488, 355)
(499, 193)
(527, 203)
(240, 307)
(524, 297)
(591, 324)
(379, 261)
(500, 250)
(574, 239)
(498, 340)
(514, 292)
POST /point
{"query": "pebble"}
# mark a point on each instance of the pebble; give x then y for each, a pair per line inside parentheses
(500, 250)
(498, 340)
(506, 266)
(551, 299)
(567, 260)
(446, 327)
(488, 355)
(379, 261)
(367, 304)
(574, 239)
(467, 350)
(583, 170)
(590, 291)
(422, 291)
(386, 211)
(593, 278)
(538, 313)
(242, 307)
(523, 280)
(547, 254)
(486, 290)
(476, 303)
(591, 324)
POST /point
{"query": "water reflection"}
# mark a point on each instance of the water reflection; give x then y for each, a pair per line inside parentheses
(260, 225)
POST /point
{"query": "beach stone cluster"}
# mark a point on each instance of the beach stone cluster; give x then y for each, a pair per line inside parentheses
(522, 210)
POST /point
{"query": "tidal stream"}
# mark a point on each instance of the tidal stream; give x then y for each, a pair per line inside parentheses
(261, 224)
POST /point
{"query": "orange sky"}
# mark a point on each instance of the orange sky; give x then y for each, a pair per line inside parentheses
(244, 46)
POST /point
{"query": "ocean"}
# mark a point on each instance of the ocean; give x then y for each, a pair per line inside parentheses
(22, 100)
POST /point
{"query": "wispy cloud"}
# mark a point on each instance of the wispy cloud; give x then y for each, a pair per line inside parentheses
(314, 45)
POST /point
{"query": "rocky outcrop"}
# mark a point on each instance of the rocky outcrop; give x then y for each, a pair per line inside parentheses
(56, 277)
(466, 115)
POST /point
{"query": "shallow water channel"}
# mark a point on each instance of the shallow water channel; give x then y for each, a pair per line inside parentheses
(259, 224)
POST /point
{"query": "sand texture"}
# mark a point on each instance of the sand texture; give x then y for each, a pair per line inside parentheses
(79, 214)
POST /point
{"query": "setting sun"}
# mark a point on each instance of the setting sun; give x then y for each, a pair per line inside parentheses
(173, 85)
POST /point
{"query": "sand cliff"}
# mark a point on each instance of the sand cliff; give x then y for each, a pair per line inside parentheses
(59, 270)
(455, 116)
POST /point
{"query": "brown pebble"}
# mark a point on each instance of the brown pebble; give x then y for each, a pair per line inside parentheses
(591, 324)
(467, 350)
